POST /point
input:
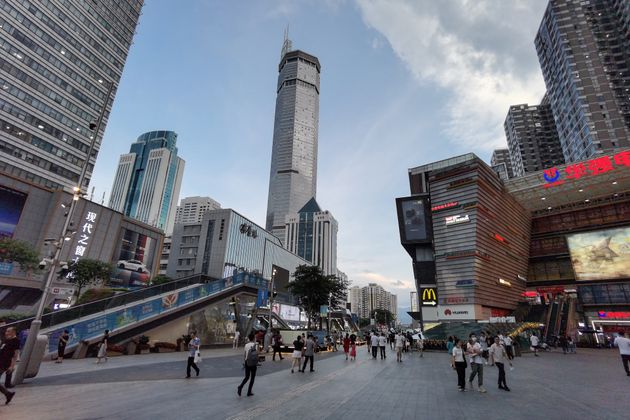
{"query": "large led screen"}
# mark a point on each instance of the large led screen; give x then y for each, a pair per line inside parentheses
(132, 267)
(11, 205)
(601, 255)
(414, 220)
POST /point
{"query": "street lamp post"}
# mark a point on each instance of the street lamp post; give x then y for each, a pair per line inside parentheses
(27, 353)
(273, 275)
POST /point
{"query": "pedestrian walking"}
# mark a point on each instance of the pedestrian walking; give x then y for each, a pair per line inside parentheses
(61, 346)
(509, 349)
(102, 349)
(353, 347)
(267, 340)
(535, 343)
(498, 357)
(336, 338)
(571, 344)
(382, 344)
(392, 340)
(450, 344)
(237, 337)
(193, 353)
(623, 344)
(346, 345)
(399, 344)
(374, 343)
(473, 349)
(368, 342)
(309, 353)
(298, 347)
(250, 363)
(564, 344)
(277, 346)
(9, 350)
(458, 362)
(420, 345)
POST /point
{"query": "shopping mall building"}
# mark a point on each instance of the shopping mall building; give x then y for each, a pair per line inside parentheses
(557, 241)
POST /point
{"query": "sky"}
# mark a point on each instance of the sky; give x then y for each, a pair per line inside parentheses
(403, 83)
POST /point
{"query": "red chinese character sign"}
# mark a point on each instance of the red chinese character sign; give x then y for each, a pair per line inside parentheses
(594, 167)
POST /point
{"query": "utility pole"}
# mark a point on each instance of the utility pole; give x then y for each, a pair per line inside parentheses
(27, 353)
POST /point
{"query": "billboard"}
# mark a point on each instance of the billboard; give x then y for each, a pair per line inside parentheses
(413, 222)
(134, 259)
(11, 205)
(600, 255)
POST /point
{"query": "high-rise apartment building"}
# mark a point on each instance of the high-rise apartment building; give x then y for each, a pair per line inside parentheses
(60, 63)
(584, 52)
(191, 209)
(293, 175)
(502, 157)
(532, 138)
(371, 297)
(148, 179)
(311, 233)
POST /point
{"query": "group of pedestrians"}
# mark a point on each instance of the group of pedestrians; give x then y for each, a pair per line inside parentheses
(478, 353)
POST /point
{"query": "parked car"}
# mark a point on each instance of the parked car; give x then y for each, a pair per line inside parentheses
(132, 265)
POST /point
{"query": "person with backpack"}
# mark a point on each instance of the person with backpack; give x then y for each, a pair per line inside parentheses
(251, 364)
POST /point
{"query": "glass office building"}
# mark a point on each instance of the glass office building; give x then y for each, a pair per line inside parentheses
(148, 179)
(59, 61)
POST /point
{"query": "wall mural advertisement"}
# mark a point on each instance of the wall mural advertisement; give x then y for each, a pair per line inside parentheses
(601, 255)
(133, 262)
(11, 205)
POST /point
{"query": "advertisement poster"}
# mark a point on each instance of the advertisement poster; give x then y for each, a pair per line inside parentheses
(414, 220)
(134, 259)
(601, 255)
(11, 205)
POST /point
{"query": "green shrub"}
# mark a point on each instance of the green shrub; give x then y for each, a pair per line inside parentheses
(92, 295)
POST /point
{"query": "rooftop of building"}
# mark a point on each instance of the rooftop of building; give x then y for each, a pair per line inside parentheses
(300, 54)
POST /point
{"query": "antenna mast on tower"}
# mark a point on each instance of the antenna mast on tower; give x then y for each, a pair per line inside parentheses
(287, 45)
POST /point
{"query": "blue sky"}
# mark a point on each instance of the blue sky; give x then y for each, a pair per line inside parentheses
(403, 83)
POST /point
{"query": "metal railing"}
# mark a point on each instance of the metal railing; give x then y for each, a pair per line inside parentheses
(65, 315)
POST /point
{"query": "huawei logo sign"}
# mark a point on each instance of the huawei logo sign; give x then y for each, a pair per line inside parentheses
(448, 312)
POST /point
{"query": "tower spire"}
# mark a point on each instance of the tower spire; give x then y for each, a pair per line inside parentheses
(287, 45)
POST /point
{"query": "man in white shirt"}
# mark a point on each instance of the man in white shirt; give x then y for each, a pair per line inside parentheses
(473, 350)
(399, 341)
(237, 336)
(498, 357)
(535, 342)
(623, 344)
(374, 343)
(382, 343)
(507, 341)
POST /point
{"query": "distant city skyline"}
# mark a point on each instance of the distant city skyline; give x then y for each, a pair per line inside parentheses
(399, 83)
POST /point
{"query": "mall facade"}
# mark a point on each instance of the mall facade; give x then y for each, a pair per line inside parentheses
(482, 247)
(36, 215)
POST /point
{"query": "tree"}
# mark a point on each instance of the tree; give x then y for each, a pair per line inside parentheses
(313, 289)
(383, 316)
(160, 279)
(87, 271)
(21, 252)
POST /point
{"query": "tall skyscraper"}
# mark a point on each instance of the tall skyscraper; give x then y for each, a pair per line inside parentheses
(147, 182)
(293, 176)
(584, 52)
(58, 60)
(532, 138)
(311, 233)
(502, 157)
(191, 209)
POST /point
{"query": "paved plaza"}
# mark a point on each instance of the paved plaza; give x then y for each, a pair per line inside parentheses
(589, 385)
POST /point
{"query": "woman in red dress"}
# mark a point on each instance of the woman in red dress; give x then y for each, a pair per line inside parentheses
(346, 345)
(353, 347)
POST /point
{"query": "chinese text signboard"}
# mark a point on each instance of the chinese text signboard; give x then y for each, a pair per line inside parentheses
(594, 167)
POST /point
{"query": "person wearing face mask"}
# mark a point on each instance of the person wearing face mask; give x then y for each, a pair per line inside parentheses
(473, 350)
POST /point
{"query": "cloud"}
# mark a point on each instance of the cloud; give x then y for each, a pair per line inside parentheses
(479, 52)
